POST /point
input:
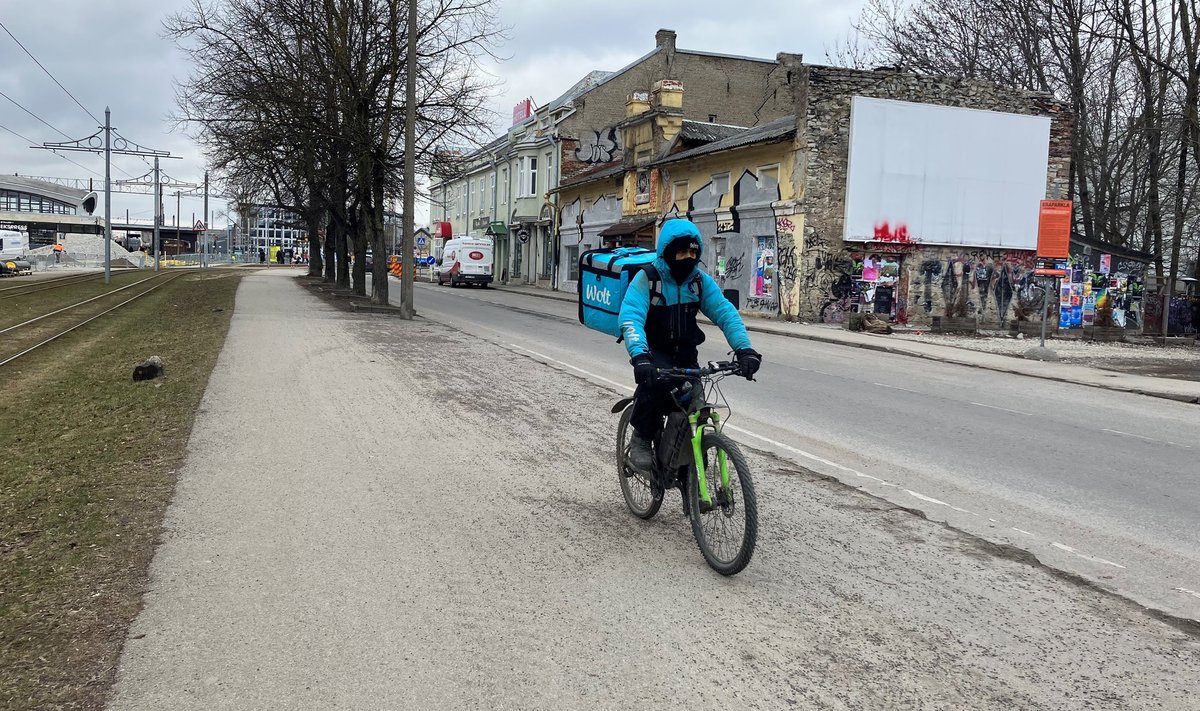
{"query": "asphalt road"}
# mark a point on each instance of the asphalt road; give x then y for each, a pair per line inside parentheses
(1099, 484)
(381, 514)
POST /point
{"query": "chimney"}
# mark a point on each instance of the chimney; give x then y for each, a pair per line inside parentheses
(667, 94)
(637, 103)
(665, 39)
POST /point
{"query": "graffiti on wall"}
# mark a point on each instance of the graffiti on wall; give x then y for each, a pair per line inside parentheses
(598, 146)
(733, 267)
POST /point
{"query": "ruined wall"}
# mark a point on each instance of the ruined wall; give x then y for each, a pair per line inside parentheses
(989, 284)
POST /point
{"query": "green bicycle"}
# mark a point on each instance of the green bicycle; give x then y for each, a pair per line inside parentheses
(692, 454)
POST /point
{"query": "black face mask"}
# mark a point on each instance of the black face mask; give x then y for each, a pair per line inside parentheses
(681, 269)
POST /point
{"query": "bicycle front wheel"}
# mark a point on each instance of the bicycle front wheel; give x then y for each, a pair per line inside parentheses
(727, 529)
(642, 496)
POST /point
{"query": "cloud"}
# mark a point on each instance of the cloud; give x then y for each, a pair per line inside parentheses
(114, 54)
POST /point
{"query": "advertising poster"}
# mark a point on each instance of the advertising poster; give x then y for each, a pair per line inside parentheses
(764, 268)
(1105, 263)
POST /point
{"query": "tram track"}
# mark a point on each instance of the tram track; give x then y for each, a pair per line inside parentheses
(48, 328)
(34, 287)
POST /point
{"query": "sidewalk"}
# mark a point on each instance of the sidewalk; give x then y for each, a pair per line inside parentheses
(1171, 389)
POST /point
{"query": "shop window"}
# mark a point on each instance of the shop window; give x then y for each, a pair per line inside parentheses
(573, 263)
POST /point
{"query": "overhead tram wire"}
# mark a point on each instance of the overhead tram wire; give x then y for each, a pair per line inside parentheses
(39, 118)
(47, 71)
(27, 140)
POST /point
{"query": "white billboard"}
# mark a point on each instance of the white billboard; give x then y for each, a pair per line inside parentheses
(941, 175)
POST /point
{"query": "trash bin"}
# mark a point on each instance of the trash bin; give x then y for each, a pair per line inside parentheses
(734, 297)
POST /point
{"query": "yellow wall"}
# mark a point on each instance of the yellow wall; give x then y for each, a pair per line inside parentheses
(699, 172)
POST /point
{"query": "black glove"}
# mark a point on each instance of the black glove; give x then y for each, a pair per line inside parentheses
(750, 360)
(644, 370)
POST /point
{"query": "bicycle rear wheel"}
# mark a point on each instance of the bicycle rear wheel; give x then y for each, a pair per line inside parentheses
(642, 496)
(727, 530)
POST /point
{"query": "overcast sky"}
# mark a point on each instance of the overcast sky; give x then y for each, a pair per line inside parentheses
(112, 54)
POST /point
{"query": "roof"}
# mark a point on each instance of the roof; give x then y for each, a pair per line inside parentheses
(1110, 248)
(628, 226)
(708, 132)
(774, 131)
(594, 79)
(593, 175)
(725, 56)
(42, 187)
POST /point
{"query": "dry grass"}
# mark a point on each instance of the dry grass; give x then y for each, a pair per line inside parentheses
(89, 462)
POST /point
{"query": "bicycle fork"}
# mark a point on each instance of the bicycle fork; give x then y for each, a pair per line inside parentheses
(698, 428)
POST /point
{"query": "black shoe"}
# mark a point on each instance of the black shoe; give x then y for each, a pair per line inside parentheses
(641, 456)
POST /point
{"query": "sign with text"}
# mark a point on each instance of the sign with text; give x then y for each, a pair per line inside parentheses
(1054, 229)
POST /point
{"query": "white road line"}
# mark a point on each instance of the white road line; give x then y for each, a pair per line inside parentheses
(897, 387)
(1185, 591)
(1004, 409)
(1085, 556)
(601, 378)
(1148, 439)
(932, 500)
(1027, 533)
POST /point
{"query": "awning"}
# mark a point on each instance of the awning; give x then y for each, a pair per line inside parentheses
(628, 227)
(497, 229)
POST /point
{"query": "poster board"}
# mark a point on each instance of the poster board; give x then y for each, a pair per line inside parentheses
(944, 175)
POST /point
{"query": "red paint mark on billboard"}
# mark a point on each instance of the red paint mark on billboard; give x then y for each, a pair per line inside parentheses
(899, 234)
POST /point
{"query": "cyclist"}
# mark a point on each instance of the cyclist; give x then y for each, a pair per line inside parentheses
(658, 323)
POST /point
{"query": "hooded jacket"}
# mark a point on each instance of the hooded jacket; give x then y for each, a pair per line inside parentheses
(665, 321)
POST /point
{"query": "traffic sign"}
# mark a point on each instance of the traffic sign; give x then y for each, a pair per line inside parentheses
(199, 226)
(420, 241)
(431, 260)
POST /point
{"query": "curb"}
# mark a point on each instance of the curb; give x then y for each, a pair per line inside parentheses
(894, 350)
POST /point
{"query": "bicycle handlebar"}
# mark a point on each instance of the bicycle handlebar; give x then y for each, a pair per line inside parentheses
(713, 368)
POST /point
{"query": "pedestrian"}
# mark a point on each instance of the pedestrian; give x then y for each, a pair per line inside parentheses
(262, 256)
(59, 249)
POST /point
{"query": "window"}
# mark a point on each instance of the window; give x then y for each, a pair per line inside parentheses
(532, 176)
(504, 183)
(493, 188)
(522, 176)
(481, 200)
(573, 263)
(549, 172)
(720, 184)
(679, 192)
(768, 177)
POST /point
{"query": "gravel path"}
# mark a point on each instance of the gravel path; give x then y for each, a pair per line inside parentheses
(378, 514)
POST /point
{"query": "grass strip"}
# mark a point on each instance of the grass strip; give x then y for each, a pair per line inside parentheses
(89, 462)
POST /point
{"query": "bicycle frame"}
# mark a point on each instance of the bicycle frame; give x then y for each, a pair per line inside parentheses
(700, 421)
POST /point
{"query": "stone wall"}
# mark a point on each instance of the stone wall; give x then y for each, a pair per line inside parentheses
(987, 284)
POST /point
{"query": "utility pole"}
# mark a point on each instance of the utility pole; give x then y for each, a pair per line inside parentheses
(204, 219)
(157, 211)
(105, 146)
(410, 147)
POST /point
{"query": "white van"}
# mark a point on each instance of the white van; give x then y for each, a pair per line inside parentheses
(466, 260)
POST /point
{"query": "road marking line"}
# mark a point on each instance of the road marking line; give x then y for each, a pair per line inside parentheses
(568, 365)
(1085, 556)
(1185, 591)
(932, 500)
(1027, 533)
(1148, 439)
(1004, 409)
(897, 387)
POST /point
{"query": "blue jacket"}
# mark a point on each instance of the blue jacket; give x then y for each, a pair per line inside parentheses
(665, 321)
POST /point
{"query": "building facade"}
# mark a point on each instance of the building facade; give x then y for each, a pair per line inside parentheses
(771, 202)
(507, 189)
(44, 212)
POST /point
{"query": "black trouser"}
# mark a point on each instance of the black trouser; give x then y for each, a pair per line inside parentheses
(652, 402)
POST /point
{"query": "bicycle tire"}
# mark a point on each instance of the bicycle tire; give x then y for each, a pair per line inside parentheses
(705, 524)
(642, 497)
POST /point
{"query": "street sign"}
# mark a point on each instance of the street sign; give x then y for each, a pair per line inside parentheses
(199, 226)
(421, 241)
(431, 260)
(523, 235)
